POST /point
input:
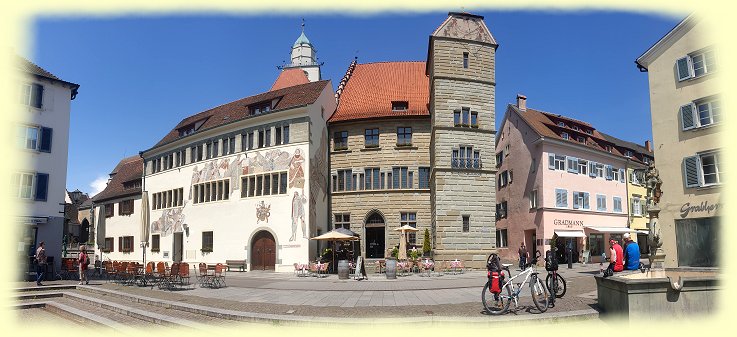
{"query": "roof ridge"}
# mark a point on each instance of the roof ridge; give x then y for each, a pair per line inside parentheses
(344, 80)
(377, 62)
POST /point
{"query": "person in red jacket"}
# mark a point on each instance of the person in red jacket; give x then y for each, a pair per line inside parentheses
(616, 257)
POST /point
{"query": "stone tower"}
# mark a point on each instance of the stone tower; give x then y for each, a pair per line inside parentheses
(460, 65)
(304, 56)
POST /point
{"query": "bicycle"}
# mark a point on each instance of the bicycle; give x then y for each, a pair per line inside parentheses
(497, 304)
(556, 285)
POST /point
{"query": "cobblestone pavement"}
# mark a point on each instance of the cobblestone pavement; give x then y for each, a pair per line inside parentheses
(409, 296)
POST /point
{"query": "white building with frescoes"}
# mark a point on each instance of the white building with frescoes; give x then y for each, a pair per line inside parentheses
(246, 180)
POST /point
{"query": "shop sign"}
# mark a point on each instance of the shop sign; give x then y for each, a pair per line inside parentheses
(703, 207)
(291, 246)
(568, 223)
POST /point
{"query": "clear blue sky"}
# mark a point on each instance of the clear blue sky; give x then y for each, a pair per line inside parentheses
(140, 75)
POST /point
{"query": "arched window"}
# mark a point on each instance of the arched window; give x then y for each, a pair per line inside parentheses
(375, 218)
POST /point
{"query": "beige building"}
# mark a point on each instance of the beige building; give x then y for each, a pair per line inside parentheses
(686, 116)
(409, 141)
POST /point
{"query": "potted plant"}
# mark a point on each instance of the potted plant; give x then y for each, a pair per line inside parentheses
(426, 243)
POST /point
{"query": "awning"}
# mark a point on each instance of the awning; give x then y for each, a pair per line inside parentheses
(610, 229)
(642, 232)
(574, 233)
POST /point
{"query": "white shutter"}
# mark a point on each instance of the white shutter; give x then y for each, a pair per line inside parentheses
(586, 200)
(684, 68)
(576, 204)
(692, 169)
(621, 175)
(551, 161)
(688, 118)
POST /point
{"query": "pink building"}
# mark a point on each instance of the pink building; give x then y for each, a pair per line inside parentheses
(557, 175)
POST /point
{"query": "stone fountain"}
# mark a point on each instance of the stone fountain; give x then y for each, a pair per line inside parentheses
(658, 291)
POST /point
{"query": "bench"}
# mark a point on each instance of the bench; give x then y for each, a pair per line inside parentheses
(240, 264)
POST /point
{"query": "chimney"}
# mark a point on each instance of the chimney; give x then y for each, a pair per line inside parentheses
(522, 102)
(648, 146)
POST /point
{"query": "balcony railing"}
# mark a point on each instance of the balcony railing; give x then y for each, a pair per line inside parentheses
(466, 163)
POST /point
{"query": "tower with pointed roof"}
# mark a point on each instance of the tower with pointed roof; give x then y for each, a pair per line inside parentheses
(304, 57)
(460, 66)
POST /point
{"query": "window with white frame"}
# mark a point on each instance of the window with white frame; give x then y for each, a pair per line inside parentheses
(696, 65)
(580, 200)
(617, 204)
(600, 170)
(583, 166)
(702, 170)
(615, 174)
(564, 135)
(700, 113)
(22, 185)
(501, 238)
(572, 164)
(635, 206)
(561, 198)
(533, 199)
(503, 179)
(34, 138)
(557, 162)
(31, 94)
(601, 202)
(409, 219)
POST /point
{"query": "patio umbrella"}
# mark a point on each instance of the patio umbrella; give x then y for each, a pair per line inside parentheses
(402, 254)
(100, 230)
(145, 219)
(335, 235)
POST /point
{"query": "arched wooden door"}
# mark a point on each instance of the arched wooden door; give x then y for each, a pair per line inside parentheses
(263, 253)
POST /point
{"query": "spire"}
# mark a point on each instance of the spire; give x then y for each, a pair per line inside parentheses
(302, 39)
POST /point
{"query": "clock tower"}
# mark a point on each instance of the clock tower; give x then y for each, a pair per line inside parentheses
(304, 56)
(460, 66)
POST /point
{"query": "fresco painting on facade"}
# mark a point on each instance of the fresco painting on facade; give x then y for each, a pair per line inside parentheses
(263, 212)
(318, 182)
(170, 221)
(296, 171)
(298, 215)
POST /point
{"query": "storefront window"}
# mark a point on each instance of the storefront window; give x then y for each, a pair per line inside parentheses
(697, 242)
(596, 244)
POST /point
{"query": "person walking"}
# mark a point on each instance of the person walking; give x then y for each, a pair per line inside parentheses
(40, 263)
(631, 253)
(523, 255)
(84, 262)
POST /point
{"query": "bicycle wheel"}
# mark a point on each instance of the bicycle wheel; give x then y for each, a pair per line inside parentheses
(496, 304)
(539, 294)
(556, 286)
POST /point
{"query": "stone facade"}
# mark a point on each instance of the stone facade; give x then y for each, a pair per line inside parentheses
(461, 65)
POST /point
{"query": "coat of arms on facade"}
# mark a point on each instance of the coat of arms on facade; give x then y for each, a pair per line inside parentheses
(263, 211)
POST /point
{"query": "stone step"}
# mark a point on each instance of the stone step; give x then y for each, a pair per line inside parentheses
(87, 315)
(38, 295)
(45, 288)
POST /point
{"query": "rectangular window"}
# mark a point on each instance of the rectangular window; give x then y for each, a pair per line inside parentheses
(466, 223)
(340, 140)
(582, 166)
(400, 105)
(564, 135)
(533, 199)
(261, 139)
(207, 241)
(125, 244)
(251, 141)
(465, 60)
(283, 183)
(600, 170)
(226, 146)
(501, 238)
(499, 159)
(125, 207)
(404, 136)
(275, 183)
(371, 137)
(285, 134)
(560, 162)
(342, 220)
(155, 243)
(697, 242)
(231, 142)
(109, 245)
(503, 178)
(267, 137)
(277, 135)
(457, 117)
(465, 116)
(561, 198)
(572, 164)
(601, 202)
(409, 219)
(615, 174)
(424, 176)
(109, 210)
(27, 137)
(267, 185)
(596, 244)
(635, 206)
(617, 204)
(32, 95)
(474, 119)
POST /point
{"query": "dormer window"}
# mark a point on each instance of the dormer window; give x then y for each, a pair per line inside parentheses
(187, 130)
(564, 135)
(575, 128)
(609, 148)
(582, 139)
(588, 131)
(628, 154)
(561, 124)
(400, 105)
(259, 108)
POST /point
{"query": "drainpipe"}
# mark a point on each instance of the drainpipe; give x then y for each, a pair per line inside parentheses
(143, 188)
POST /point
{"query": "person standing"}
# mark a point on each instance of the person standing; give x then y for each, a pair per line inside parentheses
(631, 253)
(522, 256)
(40, 263)
(84, 262)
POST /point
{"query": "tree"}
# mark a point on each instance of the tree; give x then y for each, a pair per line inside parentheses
(426, 242)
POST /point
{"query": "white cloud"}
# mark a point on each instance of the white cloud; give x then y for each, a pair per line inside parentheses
(98, 185)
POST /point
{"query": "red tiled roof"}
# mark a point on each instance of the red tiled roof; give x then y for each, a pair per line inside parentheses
(545, 124)
(373, 86)
(289, 97)
(288, 78)
(128, 169)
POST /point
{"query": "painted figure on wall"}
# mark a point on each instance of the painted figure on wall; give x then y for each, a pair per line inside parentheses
(318, 180)
(170, 221)
(234, 171)
(298, 215)
(296, 171)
